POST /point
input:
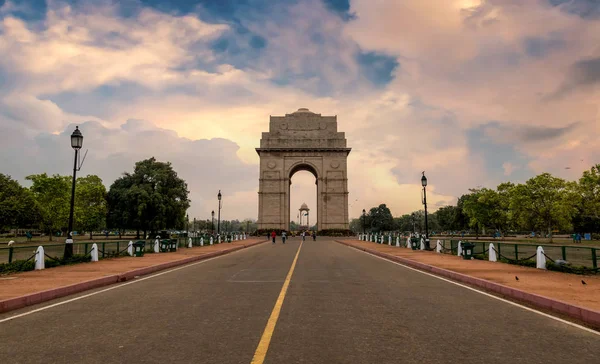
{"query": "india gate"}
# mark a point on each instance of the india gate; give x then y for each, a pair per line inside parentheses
(303, 141)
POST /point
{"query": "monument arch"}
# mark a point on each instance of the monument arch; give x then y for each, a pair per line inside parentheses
(303, 141)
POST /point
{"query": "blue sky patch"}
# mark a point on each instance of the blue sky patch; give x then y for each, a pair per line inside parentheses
(377, 67)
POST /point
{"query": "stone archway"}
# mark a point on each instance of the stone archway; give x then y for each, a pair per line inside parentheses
(300, 141)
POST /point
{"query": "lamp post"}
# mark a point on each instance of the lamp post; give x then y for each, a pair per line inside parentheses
(219, 217)
(424, 184)
(194, 228)
(76, 143)
(212, 224)
(363, 220)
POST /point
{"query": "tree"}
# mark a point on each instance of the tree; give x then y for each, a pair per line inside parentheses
(120, 210)
(90, 204)
(52, 195)
(152, 198)
(544, 202)
(17, 205)
(446, 217)
(587, 216)
(380, 219)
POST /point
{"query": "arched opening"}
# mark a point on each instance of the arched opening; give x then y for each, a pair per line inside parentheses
(303, 201)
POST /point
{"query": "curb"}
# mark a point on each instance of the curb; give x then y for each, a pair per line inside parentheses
(44, 296)
(589, 317)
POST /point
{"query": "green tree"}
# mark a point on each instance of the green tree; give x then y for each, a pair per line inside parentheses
(380, 219)
(587, 217)
(90, 204)
(18, 207)
(152, 198)
(52, 195)
(446, 217)
(544, 203)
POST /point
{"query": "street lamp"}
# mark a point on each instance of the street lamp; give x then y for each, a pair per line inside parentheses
(76, 143)
(424, 184)
(363, 220)
(212, 225)
(219, 217)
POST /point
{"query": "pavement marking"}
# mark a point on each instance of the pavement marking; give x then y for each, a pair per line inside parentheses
(117, 286)
(265, 340)
(488, 294)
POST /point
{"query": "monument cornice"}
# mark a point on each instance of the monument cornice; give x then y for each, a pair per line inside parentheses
(303, 150)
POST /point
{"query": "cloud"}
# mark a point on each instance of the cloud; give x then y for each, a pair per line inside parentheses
(460, 89)
(206, 165)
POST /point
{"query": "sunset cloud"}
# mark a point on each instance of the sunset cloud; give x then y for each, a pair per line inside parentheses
(473, 92)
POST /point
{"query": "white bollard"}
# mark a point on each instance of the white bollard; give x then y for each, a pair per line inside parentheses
(211, 240)
(189, 242)
(40, 260)
(130, 248)
(422, 244)
(492, 253)
(389, 240)
(408, 242)
(156, 248)
(219, 236)
(438, 247)
(459, 250)
(201, 241)
(540, 258)
(94, 252)
(398, 241)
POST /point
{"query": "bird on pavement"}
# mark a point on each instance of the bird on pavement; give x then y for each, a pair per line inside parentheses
(11, 243)
(583, 282)
(516, 278)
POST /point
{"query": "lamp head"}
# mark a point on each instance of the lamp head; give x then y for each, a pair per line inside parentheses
(424, 180)
(76, 139)
(219, 195)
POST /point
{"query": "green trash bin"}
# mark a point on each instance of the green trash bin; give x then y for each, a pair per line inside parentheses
(173, 245)
(139, 247)
(164, 245)
(414, 243)
(467, 250)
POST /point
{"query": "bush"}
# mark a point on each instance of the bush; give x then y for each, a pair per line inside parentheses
(570, 269)
(24, 266)
(525, 263)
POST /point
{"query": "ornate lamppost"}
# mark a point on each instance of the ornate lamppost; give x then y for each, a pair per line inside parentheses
(212, 224)
(219, 217)
(424, 184)
(76, 144)
(363, 220)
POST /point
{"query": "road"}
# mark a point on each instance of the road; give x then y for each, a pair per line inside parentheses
(341, 306)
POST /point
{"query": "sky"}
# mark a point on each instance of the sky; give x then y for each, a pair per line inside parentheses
(473, 92)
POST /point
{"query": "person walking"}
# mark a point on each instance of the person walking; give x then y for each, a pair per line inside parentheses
(303, 235)
(273, 235)
(314, 236)
(283, 236)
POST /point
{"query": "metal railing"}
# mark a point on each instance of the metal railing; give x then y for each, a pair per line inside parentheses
(576, 255)
(105, 248)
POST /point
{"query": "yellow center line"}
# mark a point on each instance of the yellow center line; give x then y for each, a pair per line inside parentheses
(265, 340)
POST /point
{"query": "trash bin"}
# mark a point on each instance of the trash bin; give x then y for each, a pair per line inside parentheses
(467, 250)
(164, 245)
(139, 247)
(173, 245)
(414, 243)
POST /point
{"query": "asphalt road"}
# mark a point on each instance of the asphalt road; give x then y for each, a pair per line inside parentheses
(342, 306)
